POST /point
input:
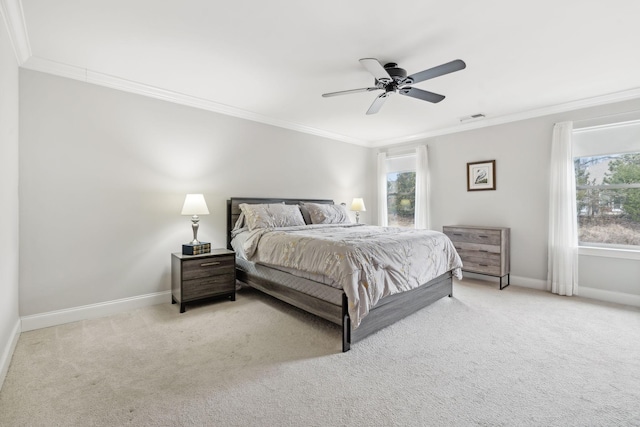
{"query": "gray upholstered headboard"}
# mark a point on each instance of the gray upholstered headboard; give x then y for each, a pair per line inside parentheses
(233, 211)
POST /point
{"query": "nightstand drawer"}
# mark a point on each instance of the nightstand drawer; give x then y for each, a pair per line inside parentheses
(198, 268)
(210, 286)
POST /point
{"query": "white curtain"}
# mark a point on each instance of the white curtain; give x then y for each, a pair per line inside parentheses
(563, 228)
(422, 204)
(382, 189)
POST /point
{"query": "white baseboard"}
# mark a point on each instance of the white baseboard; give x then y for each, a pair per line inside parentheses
(541, 285)
(7, 352)
(92, 311)
(525, 282)
(609, 296)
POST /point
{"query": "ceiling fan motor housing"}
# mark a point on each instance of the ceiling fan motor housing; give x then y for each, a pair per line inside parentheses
(397, 74)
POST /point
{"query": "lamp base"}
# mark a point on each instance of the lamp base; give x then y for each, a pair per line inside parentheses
(194, 225)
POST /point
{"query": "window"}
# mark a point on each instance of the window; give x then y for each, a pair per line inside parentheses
(607, 170)
(401, 191)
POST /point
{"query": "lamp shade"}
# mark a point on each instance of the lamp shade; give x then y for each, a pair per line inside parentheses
(194, 204)
(358, 205)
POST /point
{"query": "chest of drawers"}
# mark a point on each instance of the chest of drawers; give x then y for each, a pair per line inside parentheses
(196, 277)
(483, 250)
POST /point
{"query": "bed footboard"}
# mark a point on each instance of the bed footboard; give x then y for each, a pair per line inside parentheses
(394, 308)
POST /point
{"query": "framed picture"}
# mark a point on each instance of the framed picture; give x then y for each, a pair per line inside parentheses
(481, 175)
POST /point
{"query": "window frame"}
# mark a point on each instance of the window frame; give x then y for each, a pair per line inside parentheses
(611, 250)
(405, 169)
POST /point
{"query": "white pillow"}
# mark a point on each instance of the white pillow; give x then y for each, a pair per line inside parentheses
(328, 214)
(271, 215)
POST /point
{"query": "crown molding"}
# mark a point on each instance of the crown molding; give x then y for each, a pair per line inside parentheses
(77, 73)
(13, 17)
(65, 70)
(524, 115)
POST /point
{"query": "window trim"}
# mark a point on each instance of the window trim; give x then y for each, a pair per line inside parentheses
(608, 186)
(605, 123)
(609, 252)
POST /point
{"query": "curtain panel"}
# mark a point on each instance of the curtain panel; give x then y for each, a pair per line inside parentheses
(422, 205)
(382, 190)
(562, 273)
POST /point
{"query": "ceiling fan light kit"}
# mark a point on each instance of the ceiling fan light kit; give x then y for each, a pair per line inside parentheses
(393, 79)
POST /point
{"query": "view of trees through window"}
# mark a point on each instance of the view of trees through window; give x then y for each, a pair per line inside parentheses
(401, 199)
(608, 199)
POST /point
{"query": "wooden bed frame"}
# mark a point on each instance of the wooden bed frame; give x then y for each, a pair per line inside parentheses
(388, 310)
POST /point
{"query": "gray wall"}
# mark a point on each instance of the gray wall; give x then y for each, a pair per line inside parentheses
(104, 174)
(522, 152)
(9, 261)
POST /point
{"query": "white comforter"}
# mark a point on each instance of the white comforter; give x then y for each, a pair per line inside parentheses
(367, 262)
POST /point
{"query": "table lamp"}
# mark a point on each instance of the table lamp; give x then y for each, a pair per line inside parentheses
(194, 204)
(357, 205)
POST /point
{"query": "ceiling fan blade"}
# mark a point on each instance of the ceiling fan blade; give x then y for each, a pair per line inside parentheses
(374, 67)
(421, 94)
(440, 70)
(345, 92)
(377, 103)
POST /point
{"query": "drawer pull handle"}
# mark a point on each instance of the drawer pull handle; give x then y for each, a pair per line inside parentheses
(209, 264)
(484, 237)
(457, 234)
(483, 265)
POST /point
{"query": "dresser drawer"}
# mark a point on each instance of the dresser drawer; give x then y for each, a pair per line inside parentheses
(210, 286)
(198, 268)
(474, 266)
(476, 247)
(489, 258)
(470, 235)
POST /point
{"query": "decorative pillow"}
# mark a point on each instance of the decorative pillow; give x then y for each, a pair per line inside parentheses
(305, 213)
(271, 215)
(240, 226)
(239, 222)
(328, 214)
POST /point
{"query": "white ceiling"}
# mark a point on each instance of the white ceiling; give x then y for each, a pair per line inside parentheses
(270, 61)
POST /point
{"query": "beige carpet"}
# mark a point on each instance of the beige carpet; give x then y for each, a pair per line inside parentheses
(485, 357)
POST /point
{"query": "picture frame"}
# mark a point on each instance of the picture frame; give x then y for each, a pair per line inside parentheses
(481, 176)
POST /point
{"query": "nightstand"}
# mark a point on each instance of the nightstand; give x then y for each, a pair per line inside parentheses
(197, 277)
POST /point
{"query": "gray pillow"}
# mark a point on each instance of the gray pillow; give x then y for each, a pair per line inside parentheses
(271, 215)
(328, 214)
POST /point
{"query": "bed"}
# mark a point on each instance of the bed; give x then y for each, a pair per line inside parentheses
(323, 296)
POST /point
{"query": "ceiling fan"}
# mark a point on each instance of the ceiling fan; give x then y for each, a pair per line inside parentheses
(390, 78)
